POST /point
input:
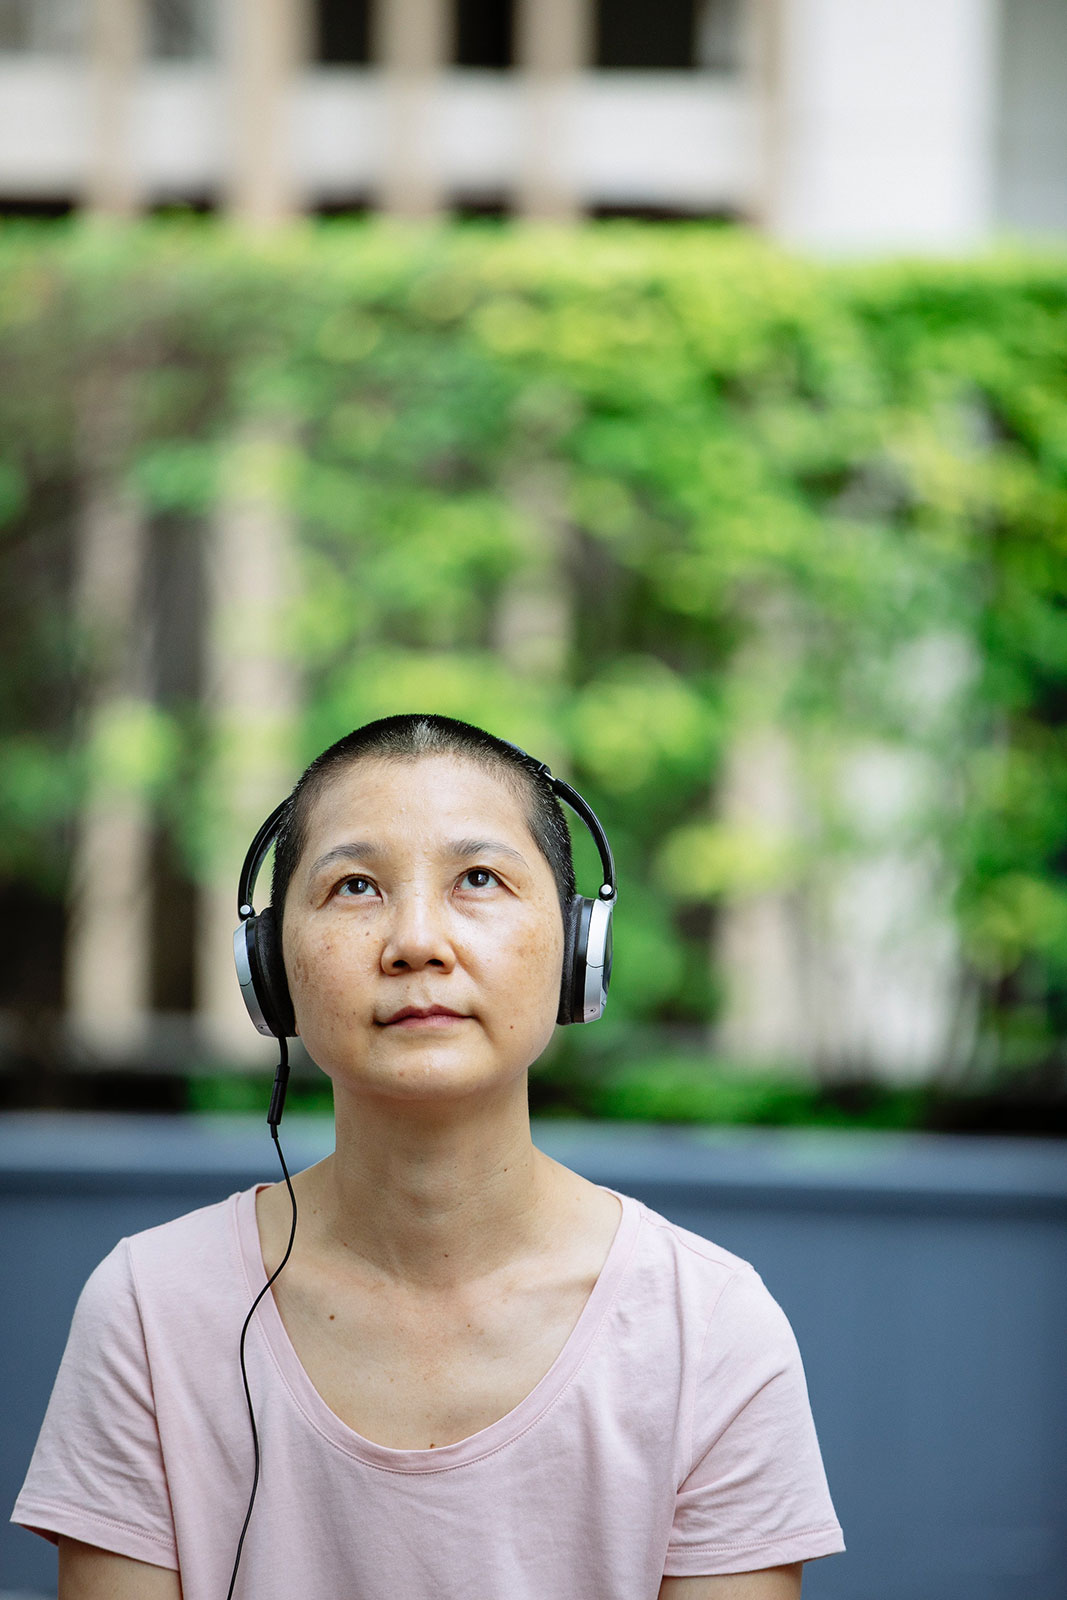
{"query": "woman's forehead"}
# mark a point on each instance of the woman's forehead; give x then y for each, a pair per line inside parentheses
(431, 792)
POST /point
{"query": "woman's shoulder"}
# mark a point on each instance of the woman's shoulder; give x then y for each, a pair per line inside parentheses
(200, 1252)
(699, 1280)
(677, 1250)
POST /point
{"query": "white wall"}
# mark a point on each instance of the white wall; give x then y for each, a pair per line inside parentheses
(885, 124)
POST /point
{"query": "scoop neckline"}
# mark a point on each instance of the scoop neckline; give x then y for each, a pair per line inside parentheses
(267, 1324)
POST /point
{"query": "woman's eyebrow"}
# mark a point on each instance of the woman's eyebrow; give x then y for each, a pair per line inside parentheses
(358, 850)
(462, 849)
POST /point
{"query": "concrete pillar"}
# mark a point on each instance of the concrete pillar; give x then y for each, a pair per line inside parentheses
(533, 624)
(251, 699)
(766, 25)
(533, 621)
(116, 38)
(553, 46)
(880, 123)
(758, 953)
(412, 44)
(845, 958)
(886, 981)
(109, 936)
(266, 43)
(250, 684)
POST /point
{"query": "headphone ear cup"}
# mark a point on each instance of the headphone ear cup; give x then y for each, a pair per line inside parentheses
(572, 984)
(269, 982)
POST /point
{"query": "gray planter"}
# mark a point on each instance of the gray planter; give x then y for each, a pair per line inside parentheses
(925, 1276)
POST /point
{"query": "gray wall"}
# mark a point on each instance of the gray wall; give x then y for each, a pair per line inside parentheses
(924, 1276)
(1031, 156)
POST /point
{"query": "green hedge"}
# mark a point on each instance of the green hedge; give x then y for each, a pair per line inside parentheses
(874, 458)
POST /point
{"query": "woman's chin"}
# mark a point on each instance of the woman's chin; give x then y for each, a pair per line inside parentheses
(431, 1075)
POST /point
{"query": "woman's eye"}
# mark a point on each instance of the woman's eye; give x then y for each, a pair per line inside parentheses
(478, 878)
(355, 888)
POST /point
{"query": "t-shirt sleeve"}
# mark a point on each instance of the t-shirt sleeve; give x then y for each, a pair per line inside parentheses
(97, 1472)
(755, 1494)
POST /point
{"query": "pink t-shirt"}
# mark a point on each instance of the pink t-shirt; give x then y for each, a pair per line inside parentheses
(672, 1435)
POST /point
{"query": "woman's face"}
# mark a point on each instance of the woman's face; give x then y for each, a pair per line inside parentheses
(422, 931)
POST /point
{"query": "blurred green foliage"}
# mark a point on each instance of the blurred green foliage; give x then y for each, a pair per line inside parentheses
(867, 464)
(676, 1089)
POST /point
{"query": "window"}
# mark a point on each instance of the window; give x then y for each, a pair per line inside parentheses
(483, 33)
(631, 33)
(342, 33)
(175, 29)
(673, 35)
(179, 29)
(719, 30)
(53, 26)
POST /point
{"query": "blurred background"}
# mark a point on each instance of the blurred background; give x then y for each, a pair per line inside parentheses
(743, 505)
(679, 391)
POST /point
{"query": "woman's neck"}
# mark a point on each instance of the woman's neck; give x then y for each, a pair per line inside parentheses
(434, 1196)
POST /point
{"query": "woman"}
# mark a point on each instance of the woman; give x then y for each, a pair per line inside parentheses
(479, 1375)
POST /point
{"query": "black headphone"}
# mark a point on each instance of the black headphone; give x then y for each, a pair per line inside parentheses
(257, 946)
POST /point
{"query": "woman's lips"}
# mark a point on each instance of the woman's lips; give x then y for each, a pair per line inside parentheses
(410, 1018)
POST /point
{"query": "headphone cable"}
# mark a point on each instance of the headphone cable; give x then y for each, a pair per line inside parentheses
(274, 1116)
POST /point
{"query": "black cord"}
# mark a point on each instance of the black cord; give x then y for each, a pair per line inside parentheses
(274, 1116)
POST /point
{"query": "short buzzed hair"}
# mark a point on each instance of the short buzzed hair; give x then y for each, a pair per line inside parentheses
(409, 737)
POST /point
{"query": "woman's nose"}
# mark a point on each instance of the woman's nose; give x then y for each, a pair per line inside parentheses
(417, 937)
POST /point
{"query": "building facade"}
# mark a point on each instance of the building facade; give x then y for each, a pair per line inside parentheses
(839, 125)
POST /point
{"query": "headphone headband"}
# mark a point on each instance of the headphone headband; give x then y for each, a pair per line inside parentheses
(571, 797)
(257, 854)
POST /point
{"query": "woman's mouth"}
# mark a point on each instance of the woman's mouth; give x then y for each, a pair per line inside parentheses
(423, 1017)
